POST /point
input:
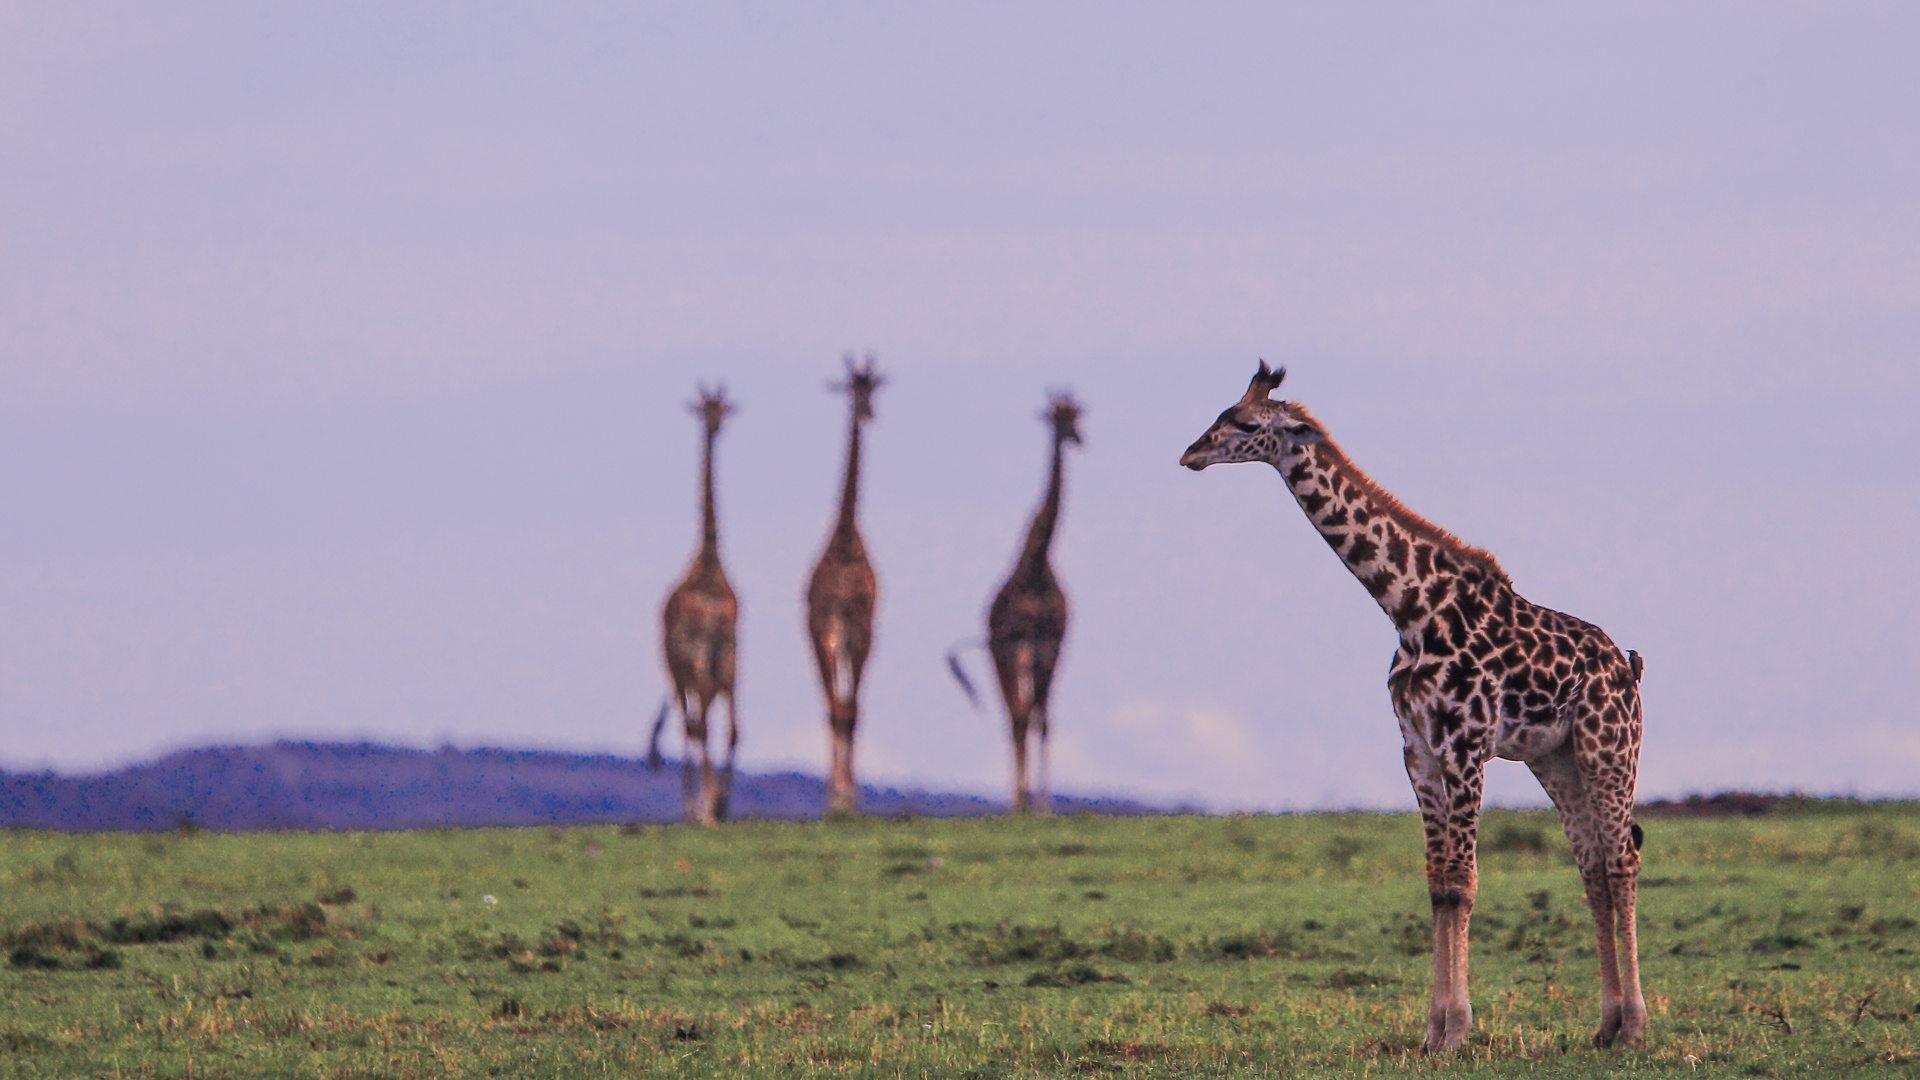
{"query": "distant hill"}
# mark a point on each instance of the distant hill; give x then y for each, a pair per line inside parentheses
(304, 785)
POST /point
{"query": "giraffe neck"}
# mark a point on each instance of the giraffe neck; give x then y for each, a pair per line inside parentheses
(1406, 562)
(846, 535)
(1033, 557)
(709, 520)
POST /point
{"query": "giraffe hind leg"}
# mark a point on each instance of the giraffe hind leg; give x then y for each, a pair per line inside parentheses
(1045, 656)
(689, 775)
(723, 790)
(1559, 773)
(1615, 856)
(843, 680)
(1043, 783)
(1633, 1007)
(843, 793)
(834, 667)
(705, 798)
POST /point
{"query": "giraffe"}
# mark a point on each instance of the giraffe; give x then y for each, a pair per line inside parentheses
(1479, 673)
(1028, 620)
(840, 600)
(698, 629)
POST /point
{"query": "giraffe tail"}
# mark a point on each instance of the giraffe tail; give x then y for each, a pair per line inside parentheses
(960, 672)
(654, 759)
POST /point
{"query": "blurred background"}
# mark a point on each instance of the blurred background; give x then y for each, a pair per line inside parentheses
(345, 353)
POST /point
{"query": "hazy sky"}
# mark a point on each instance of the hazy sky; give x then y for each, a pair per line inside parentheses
(345, 350)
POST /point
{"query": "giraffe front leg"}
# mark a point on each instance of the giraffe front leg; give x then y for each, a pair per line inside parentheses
(1449, 814)
(1430, 791)
(1449, 1011)
(1441, 990)
(1462, 880)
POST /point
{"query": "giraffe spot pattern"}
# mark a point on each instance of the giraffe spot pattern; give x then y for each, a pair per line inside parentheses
(1362, 551)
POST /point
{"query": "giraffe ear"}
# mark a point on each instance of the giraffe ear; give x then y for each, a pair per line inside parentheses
(1302, 432)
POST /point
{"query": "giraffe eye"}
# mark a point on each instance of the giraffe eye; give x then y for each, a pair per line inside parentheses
(1248, 426)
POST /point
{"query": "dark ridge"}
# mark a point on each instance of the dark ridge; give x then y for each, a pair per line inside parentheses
(323, 786)
(1731, 804)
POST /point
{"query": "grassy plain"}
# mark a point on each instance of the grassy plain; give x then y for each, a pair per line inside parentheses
(1782, 945)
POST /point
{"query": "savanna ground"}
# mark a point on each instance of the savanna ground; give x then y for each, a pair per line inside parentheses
(1780, 945)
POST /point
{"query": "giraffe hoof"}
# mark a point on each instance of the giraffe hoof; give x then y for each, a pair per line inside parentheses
(1620, 1025)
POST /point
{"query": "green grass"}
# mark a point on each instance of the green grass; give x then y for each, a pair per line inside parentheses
(1782, 945)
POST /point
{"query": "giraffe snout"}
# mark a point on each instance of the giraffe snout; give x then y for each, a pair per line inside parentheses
(1195, 458)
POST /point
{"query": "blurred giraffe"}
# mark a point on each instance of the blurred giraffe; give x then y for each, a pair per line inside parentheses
(1028, 621)
(840, 601)
(698, 638)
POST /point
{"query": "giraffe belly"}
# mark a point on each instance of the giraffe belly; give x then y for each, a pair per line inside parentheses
(1520, 739)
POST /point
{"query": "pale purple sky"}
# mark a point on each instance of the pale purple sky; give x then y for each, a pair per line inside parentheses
(344, 354)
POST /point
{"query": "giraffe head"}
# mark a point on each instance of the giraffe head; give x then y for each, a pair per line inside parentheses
(1064, 414)
(863, 378)
(712, 408)
(1256, 428)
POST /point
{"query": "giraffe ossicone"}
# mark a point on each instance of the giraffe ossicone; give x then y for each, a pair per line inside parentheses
(1480, 672)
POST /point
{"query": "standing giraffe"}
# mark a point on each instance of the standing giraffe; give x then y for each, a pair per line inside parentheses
(1028, 620)
(840, 600)
(1480, 673)
(698, 625)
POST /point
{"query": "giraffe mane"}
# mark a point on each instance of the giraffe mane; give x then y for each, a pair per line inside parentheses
(1416, 525)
